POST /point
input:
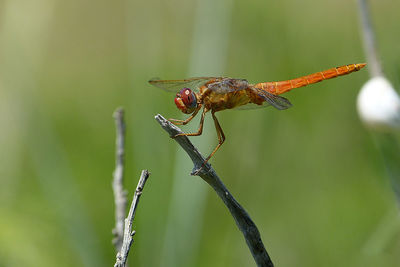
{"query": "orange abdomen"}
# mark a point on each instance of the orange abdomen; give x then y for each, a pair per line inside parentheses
(281, 87)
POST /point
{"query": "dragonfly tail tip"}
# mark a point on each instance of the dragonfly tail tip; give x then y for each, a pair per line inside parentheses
(360, 65)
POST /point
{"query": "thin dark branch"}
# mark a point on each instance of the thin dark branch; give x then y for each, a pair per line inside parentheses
(117, 184)
(207, 173)
(375, 67)
(122, 255)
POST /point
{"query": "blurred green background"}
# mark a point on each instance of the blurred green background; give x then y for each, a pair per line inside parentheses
(310, 177)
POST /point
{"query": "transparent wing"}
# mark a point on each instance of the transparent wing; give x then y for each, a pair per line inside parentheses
(250, 106)
(277, 102)
(220, 85)
(175, 85)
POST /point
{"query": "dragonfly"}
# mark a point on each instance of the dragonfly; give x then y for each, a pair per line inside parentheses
(220, 93)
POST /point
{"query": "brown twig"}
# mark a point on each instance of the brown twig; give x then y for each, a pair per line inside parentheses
(122, 255)
(207, 173)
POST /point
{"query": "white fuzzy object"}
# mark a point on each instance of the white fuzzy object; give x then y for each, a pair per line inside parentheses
(378, 105)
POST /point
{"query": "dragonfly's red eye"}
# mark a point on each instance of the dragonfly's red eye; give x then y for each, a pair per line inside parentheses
(188, 97)
(186, 100)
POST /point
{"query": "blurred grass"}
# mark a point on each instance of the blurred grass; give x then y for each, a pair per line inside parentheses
(310, 176)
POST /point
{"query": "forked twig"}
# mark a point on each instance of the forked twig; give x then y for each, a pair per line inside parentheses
(123, 226)
(207, 173)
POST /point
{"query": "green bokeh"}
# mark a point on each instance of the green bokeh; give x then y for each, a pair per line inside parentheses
(310, 177)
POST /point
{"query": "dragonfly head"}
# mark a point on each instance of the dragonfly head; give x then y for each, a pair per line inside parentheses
(186, 100)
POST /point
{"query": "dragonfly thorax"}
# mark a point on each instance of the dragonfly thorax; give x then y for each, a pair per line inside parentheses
(186, 100)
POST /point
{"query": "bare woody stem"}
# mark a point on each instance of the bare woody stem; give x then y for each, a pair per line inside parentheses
(207, 173)
(122, 255)
(117, 184)
(375, 67)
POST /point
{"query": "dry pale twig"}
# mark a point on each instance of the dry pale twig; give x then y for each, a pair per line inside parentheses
(123, 227)
(117, 184)
(207, 173)
(122, 255)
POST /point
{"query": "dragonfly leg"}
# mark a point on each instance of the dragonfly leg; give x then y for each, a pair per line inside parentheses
(200, 130)
(184, 122)
(220, 134)
(221, 140)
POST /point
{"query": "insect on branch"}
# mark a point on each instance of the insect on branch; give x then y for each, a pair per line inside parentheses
(208, 174)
